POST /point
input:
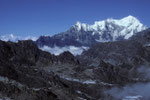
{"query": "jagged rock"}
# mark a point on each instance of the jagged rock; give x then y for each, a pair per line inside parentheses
(114, 74)
(67, 57)
(22, 76)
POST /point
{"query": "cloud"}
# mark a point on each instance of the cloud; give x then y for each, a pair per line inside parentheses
(13, 38)
(139, 90)
(30, 38)
(57, 50)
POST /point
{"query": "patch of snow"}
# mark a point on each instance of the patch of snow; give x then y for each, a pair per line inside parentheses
(78, 92)
(89, 82)
(80, 81)
(101, 40)
(81, 98)
(36, 89)
(72, 79)
(108, 84)
(137, 97)
(79, 26)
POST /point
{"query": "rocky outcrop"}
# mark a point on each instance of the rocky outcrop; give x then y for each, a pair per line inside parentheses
(120, 75)
(67, 57)
(22, 76)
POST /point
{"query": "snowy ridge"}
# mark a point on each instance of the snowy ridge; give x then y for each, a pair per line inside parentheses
(125, 27)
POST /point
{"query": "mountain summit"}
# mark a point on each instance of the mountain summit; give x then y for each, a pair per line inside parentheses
(82, 34)
(112, 29)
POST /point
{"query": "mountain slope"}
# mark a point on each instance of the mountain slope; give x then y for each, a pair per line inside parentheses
(134, 51)
(82, 34)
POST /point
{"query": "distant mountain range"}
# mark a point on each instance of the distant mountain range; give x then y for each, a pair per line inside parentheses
(81, 36)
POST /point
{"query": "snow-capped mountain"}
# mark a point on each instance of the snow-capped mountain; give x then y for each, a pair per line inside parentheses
(82, 34)
(125, 28)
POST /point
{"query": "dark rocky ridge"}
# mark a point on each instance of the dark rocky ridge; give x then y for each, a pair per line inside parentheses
(22, 78)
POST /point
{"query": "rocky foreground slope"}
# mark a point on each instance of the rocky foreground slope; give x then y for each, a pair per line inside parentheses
(28, 73)
(21, 77)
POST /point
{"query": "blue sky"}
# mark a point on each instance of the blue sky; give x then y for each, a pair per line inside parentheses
(43, 17)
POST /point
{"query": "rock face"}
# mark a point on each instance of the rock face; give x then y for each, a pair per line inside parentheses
(22, 52)
(121, 75)
(82, 34)
(21, 77)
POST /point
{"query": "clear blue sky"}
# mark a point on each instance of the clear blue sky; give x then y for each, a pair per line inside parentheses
(39, 17)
